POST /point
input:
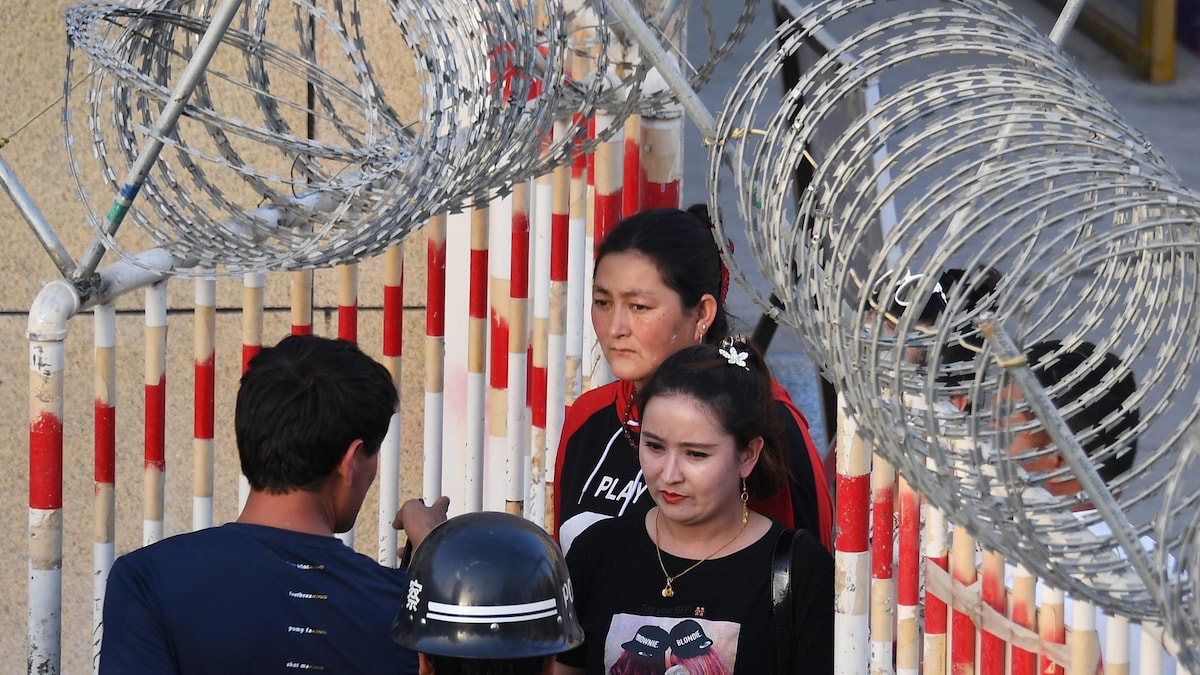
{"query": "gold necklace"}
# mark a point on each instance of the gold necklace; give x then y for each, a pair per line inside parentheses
(667, 591)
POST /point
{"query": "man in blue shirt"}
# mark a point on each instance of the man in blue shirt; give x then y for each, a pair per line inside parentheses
(275, 591)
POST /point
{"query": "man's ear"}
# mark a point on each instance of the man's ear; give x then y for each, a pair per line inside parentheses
(351, 459)
(548, 665)
(424, 667)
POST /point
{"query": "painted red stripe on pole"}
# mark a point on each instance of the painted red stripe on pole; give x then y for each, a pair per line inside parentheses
(435, 288)
(854, 503)
(908, 581)
(608, 214)
(537, 396)
(498, 352)
(560, 224)
(477, 302)
(348, 323)
(658, 195)
(935, 609)
(249, 352)
(393, 319)
(992, 591)
(156, 424)
(302, 329)
(632, 163)
(106, 443)
(882, 524)
(962, 643)
(205, 393)
(45, 462)
(519, 274)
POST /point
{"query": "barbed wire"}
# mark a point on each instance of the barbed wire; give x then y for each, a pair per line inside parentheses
(952, 138)
(295, 153)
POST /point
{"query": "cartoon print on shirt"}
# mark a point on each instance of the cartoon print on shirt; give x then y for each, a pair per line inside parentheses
(644, 654)
(648, 645)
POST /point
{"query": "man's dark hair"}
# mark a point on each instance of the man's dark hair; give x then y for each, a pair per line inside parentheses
(300, 406)
(681, 245)
(453, 665)
(1111, 413)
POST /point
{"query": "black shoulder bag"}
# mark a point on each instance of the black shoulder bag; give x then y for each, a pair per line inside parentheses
(781, 600)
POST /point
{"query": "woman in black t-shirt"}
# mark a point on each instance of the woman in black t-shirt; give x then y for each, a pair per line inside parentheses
(688, 585)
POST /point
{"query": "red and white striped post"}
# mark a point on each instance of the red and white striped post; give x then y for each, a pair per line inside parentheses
(1052, 627)
(851, 555)
(993, 594)
(435, 354)
(252, 316)
(962, 629)
(476, 362)
(591, 346)
(579, 274)
(1084, 643)
(1116, 645)
(155, 425)
(558, 367)
(104, 318)
(539, 352)
(1024, 614)
(302, 302)
(495, 457)
(347, 293)
(631, 180)
(936, 617)
(56, 303)
(607, 173)
(1150, 652)
(516, 468)
(389, 450)
(661, 166)
(883, 602)
(204, 402)
(252, 340)
(908, 583)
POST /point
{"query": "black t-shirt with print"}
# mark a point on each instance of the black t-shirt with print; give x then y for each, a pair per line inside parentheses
(721, 609)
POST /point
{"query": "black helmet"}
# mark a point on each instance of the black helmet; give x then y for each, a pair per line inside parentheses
(488, 586)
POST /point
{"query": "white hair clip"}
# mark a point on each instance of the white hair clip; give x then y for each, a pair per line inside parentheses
(735, 357)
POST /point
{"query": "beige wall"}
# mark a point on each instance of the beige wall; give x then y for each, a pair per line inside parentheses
(33, 54)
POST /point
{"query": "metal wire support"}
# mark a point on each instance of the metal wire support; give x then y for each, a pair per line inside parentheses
(961, 164)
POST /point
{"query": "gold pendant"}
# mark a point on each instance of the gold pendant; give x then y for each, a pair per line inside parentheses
(667, 592)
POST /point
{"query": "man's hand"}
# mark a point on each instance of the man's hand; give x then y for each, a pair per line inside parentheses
(417, 520)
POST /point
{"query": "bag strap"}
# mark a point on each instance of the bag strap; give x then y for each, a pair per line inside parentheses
(781, 599)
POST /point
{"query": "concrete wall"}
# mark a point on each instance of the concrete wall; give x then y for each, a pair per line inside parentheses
(34, 54)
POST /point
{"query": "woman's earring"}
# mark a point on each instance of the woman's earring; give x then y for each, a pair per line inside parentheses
(745, 508)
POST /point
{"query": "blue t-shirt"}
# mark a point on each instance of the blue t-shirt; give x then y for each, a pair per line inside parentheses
(252, 599)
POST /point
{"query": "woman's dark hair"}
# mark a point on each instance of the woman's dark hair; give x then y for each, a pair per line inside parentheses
(300, 406)
(733, 382)
(1110, 413)
(681, 245)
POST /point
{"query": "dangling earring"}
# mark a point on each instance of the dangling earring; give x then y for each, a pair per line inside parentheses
(700, 333)
(745, 509)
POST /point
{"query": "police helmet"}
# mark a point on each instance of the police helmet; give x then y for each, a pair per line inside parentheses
(489, 586)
